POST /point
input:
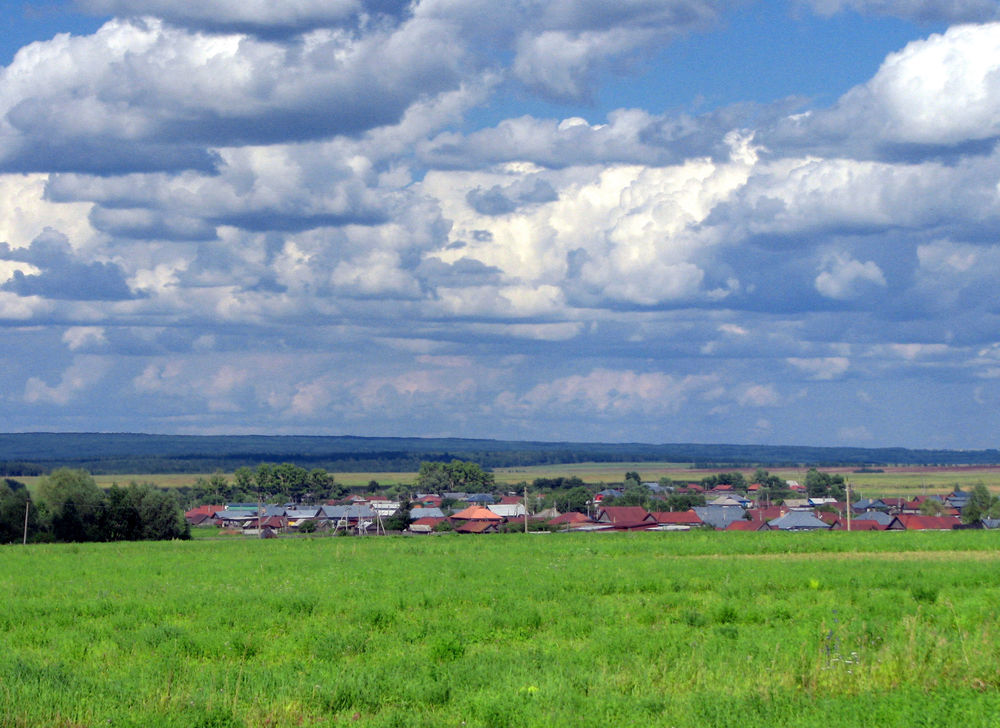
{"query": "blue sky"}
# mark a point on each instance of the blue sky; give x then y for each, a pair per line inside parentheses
(655, 220)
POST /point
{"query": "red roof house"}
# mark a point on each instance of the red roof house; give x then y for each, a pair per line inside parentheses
(677, 518)
(569, 519)
(476, 513)
(202, 514)
(745, 525)
(923, 523)
(478, 527)
(626, 518)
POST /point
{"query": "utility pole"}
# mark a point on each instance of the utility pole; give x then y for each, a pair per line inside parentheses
(27, 505)
(847, 487)
(525, 507)
(260, 508)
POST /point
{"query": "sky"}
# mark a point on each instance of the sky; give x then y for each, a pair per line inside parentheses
(714, 221)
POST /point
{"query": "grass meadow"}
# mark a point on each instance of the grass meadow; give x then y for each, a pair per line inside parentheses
(666, 629)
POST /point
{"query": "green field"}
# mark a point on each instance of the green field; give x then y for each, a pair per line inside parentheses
(671, 629)
(892, 482)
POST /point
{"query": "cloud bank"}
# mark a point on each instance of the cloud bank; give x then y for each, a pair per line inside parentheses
(283, 217)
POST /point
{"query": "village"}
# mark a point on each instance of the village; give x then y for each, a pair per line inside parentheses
(725, 509)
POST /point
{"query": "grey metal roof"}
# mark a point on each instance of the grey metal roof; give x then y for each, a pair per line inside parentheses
(883, 519)
(719, 517)
(797, 521)
(869, 504)
(348, 512)
(416, 513)
(480, 498)
(237, 515)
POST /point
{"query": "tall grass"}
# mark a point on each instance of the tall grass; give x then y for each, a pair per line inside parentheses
(713, 629)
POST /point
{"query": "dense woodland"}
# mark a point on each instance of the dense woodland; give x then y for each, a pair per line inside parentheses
(110, 453)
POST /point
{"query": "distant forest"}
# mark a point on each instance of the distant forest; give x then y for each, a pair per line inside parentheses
(117, 453)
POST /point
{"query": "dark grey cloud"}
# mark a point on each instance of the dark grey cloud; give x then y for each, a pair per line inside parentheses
(146, 224)
(922, 11)
(264, 19)
(64, 276)
(504, 199)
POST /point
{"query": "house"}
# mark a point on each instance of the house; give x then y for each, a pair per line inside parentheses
(570, 520)
(354, 516)
(418, 513)
(768, 513)
(508, 510)
(478, 527)
(480, 499)
(867, 505)
(923, 523)
(384, 507)
(798, 521)
(958, 499)
(797, 504)
(729, 500)
(828, 518)
(235, 518)
(748, 526)
(677, 520)
(626, 518)
(425, 525)
(882, 519)
(814, 502)
(270, 525)
(202, 515)
(912, 507)
(429, 500)
(608, 493)
(719, 517)
(861, 525)
(476, 513)
(297, 516)
(895, 505)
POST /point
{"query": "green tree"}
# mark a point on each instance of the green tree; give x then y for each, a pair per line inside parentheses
(458, 475)
(73, 504)
(575, 499)
(982, 504)
(735, 479)
(120, 519)
(243, 480)
(13, 501)
(677, 502)
(159, 514)
(932, 507)
(292, 481)
(265, 479)
(323, 486)
(399, 520)
(825, 485)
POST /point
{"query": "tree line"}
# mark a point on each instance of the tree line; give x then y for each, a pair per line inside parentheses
(69, 506)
